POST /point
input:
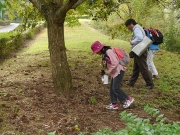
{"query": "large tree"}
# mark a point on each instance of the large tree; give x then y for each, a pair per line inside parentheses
(54, 11)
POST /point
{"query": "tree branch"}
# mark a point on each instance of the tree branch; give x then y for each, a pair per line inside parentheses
(64, 9)
(79, 2)
(40, 5)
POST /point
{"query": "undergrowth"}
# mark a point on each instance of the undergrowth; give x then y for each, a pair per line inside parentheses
(155, 125)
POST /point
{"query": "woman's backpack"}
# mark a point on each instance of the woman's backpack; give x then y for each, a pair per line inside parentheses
(122, 55)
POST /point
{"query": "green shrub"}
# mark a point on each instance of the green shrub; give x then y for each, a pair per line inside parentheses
(83, 17)
(38, 28)
(17, 20)
(172, 36)
(29, 34)
(8, 42)
(4, 22)
(12, 40)
(156, 125)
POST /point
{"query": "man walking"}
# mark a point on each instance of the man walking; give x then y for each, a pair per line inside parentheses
(140, 63)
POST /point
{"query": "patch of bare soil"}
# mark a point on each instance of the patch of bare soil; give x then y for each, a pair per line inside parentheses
(29, 104)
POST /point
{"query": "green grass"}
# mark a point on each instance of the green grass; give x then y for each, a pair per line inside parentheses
(37, 47)
(86, 36)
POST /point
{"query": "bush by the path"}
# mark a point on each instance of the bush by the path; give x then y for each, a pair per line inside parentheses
(9, 41)
(4, 22)
(12, 40)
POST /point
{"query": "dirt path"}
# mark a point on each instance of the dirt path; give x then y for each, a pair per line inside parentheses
(29, 105)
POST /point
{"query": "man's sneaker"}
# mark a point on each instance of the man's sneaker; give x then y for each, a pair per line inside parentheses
(149, 86)
(128, 83)
(128, 102)
(112, 106)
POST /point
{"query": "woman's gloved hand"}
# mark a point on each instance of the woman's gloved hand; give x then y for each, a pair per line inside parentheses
(103, 72)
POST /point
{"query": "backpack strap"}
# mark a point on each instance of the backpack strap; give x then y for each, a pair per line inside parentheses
(147, 31)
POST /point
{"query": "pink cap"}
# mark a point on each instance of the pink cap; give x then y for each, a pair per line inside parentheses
(96, 47)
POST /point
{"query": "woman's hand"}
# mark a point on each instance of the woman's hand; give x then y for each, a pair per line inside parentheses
(107, 72)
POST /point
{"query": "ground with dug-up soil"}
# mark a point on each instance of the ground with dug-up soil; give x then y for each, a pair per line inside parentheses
(29, 106)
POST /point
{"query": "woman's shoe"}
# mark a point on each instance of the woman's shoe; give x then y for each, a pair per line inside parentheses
(128, 102)
(112, 106)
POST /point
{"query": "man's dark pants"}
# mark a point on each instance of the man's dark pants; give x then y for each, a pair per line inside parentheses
(140, 66)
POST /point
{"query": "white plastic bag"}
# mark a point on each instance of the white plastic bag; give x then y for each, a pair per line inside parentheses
(141, 47)
(105, 79)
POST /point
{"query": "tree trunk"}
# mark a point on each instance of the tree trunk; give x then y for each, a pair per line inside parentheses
(60, 69)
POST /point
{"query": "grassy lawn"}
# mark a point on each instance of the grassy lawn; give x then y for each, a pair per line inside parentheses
(30, 106)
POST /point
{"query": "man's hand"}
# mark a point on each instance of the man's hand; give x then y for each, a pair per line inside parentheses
(131, 43)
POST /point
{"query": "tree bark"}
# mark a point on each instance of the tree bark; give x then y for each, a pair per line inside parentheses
(60, 69)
